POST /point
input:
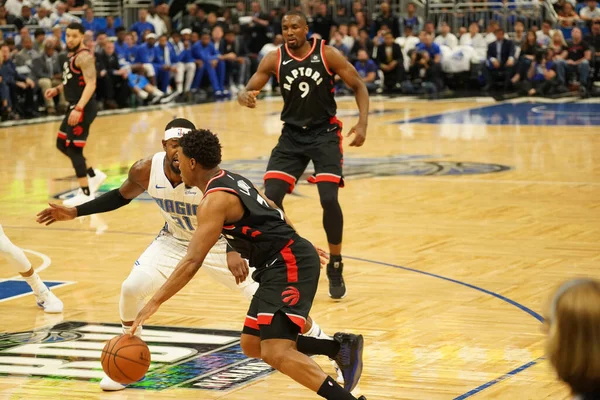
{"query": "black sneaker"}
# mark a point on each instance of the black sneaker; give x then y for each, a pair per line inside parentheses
(362, 398)
(349, 358)
(337, 287)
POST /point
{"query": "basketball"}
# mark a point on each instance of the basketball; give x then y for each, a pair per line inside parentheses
(125, 359)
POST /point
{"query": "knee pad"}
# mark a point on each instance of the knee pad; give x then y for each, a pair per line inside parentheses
(78, 160)
(134, 290)
(275, 190)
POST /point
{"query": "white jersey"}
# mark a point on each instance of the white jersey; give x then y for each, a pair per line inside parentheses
(177, 205)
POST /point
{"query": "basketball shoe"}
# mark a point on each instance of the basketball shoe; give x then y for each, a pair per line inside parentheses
(349, 358)
(49, 302)
(337, 287)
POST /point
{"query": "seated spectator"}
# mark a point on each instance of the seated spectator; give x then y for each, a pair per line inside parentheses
(26, 18)
(144, 56)
(348, 37)
(542, 78)
(165, 64)
(446, 38)
(568, 19)
(6, 18)
(142, 24)
(89, 21)
(162, 11)
(57, 34)
(39, 38)
(267, 48)
(593, 39)
(185, 61)
(363, 42)
(386, 17)
(322, 22)
(143, 89)
(19, 86)
(420, 76)
(235, 55)
(120, 46)
(23, 33)
(6, 111)
(529, 51)
(590, 13)
(490, 36)
(360, 21)
(544, 36)
(474, 39)
(112, 87)
(160, 28)
(578, 60)
(44, 18)
(500, 61)
(110, 29)
(559, 45)
(338, 43)
(46, 71)
(342, 17)
(200, 24)
(12, 48)
(367, 69)
(518, 37)
(430, 28)
(434, 67)
(411, 19)
(61, 16)
(211, 65)
(188, 20)
(24, 58)
(391, 62)
(101, 39)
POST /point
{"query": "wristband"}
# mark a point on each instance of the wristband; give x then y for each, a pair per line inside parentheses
(107, 202)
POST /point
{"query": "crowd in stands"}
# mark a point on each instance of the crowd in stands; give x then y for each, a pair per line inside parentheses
(194, 54)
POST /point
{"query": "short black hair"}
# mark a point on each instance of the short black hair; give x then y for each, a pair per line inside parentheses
(39, 32)
(295, 13)
(76, 26)
(119, 29)
(180, 123)
(203, 146)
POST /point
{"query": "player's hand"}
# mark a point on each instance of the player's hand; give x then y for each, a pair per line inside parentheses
(238, 266)
(74, 117)
(149, 309)
(50, 93)
(247, 98)
(323, 256)
(56, 213)
(360, 135)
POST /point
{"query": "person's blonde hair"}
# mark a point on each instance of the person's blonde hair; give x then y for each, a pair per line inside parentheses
(557, 32)
(573, 345)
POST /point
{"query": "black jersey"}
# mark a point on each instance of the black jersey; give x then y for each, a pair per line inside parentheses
(262, 232)
(73, 81)
(306, 86)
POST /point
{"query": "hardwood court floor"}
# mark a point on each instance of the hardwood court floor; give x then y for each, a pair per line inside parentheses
(447, 273)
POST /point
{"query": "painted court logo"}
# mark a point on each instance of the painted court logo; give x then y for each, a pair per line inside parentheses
(208, 359)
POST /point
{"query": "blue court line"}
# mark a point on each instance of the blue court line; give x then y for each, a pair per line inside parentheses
(15, 288)
(468, 394)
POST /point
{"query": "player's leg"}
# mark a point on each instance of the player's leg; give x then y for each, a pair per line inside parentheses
(327, 156)
(16, 257)
(286, 164)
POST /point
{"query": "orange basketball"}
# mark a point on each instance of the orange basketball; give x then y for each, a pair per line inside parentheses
(125, 359)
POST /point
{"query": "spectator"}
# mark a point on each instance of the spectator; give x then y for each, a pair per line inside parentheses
(544, 36)
(143, 89)
(200, 24)
(23, 33)
(6, 18)
(590, 13)
(237, 12)
(568, 18)
(420, 76)
(559, 45)
(61, 16)
(24, 58)
(367, 69)
(338, 43)
(360, 20)
(89, 21)
(342, 17)
(212, 22)
(446, 38)
(78, 5)
(165, 64)
(144, 56)
(490, 36)
(211, 65)
(391, 62)
(110, 29)
(474, 39)
(346, 38)
(434, 61)
(5, 99)
(59, 45)
(160, 28)
(39, 37)
(541, 76)
(162, 10)
(500, 61)
(13, 7)
(529, 51)
(322, 22)
(386, 17)
(593, 39)
(101, 40)
(362, 43)
(142, 25)
(578, 59)
(411, 19)
(257, 30)
(19, 86)
(12, 48)
(188, 20)
(46, 71)
(518, 37)
(44, 18)
(234, 53)
(120, 46)
(429, 28)
(275, 17)
(26, 17)
(186, 67)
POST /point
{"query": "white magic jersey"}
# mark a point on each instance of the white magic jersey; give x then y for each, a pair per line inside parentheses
(177, 205)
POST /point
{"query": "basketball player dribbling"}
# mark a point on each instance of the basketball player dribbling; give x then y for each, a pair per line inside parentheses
(287, 270)
(79, 85)
(311, 132)
(159, 175)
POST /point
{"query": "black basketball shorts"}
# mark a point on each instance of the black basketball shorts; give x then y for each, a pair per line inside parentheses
(297, 146)
(78, 134)
(288, 284)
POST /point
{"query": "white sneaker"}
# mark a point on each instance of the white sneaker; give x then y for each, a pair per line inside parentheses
(338, 371)
(234, 90)
(49, 302)
(78, 199)
(95, 182)
(109, 385)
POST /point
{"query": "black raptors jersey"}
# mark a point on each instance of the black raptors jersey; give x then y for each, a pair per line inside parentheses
(73, 81)
(262, 232)
(306, 87)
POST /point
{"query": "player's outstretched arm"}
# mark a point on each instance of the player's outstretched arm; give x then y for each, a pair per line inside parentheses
(135, 184)
(338, 64)
(266, 68)
(212, 211)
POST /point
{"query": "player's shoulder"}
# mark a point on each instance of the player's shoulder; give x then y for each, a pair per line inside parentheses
(140, 170)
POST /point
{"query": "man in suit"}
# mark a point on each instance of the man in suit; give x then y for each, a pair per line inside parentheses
(112, 86)
(391, 62)
(46, 72)
(24, 58)
(500, 61)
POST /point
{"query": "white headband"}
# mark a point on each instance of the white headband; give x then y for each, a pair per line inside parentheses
(176, 133)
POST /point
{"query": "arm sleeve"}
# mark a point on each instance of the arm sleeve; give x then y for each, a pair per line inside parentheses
(107, 202)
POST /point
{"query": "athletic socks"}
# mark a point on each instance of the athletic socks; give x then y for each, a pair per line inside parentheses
(38, 287)
(330, 389)
(334, 259)
(314, 331)
(91, 173)
(314, 346)
(85, 190)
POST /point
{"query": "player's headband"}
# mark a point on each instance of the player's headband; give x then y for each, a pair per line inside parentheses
(562, 290)
(176, 133)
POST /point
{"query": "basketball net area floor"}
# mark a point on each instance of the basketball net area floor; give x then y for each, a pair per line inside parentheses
(461, 217)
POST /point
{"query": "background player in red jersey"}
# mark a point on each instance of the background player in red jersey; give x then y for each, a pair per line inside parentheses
(287, 270)
(79, 86)
(311, 131)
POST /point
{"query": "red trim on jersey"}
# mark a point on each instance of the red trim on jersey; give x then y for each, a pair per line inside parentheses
(278, 63)
(72, 63)
(229, 227)
(264, 319)
(283, 177)
(290, 262)
(298, 320)
(307, 54)
(251, 323)
(78, 143)
(324, 59)
(219, 189)
(61, 135)
(219, 175)
(324, 178)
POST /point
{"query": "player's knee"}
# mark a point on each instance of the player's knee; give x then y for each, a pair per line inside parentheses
(78, 160)
(328, 194)
(275, 190)
(130, 288)
(61, 145)
(250, 346)
(275, 356)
